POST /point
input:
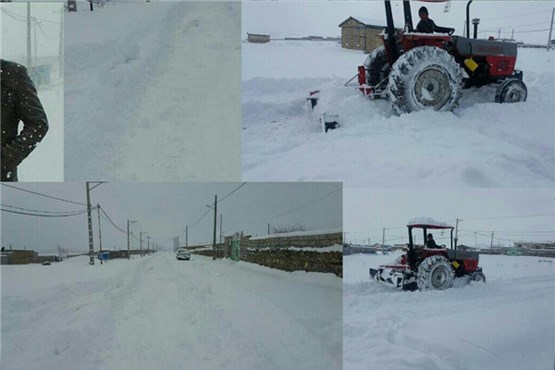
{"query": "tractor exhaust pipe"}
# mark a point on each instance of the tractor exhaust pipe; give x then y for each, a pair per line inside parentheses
(468, 19)
(475, 23)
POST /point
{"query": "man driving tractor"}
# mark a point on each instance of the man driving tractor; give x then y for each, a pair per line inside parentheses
(426, 25)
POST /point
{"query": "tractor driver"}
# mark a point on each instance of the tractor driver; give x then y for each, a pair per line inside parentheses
(431, 243)
(426, 25)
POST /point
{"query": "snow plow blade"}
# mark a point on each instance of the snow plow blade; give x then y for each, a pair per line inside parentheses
(393, 276)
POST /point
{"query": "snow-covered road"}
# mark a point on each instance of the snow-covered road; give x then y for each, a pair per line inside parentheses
(506, 324)
(152, 92)
(157, 312)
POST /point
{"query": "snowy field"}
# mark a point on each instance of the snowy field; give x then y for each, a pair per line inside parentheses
(143, 88)
(159, 313)
(506, 324)
(481, 144)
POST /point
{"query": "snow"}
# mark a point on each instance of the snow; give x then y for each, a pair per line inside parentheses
(480, 144)
(46, 162)
(331, 248)
(143, 86)
(426, 221)
(159, 313)
(299, 233)
(507, 323)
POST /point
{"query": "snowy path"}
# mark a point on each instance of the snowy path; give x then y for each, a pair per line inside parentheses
(506, 324)
(152, 92)
(481, 144)
(182, 116)
(158, 312)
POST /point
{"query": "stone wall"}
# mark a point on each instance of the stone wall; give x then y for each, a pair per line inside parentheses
(293, 260)
(300, 241)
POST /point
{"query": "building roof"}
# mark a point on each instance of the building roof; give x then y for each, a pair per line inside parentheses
(366, 23)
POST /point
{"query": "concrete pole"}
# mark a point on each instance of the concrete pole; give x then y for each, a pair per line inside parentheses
(99, 232)
(550, 30)
(29, 35)
(215, 221)
(89, 219)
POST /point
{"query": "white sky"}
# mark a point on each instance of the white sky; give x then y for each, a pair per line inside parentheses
(367, 211)
(302, 18)
(163, 210)
(14, 30)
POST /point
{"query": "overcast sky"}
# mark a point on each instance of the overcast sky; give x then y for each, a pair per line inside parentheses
(14, 30)
(368, 211)
(163, 210)
(530, 19)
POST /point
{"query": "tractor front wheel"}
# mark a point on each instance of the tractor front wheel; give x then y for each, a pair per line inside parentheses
(435, 273)
(477, 276)
(511, 90)
(377, 67)
(425, 77)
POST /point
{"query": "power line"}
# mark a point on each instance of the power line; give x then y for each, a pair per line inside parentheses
(201, 217)
(508, 217)
(292, 210)
(237, 188)
(44, 215)
(39, 211)
(106, 217)
(43, 195)
(513, 16)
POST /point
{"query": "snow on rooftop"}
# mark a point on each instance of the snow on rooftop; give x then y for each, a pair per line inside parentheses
(427, 221)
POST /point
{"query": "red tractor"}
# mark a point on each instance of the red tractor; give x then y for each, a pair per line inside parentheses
(418, 71)
(427, 268)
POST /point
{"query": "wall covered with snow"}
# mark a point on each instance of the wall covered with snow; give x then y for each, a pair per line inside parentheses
(296, 260)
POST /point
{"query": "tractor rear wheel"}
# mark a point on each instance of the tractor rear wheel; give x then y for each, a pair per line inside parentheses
(425, 77)
(435, 273)
(377, 67)
(511, 90)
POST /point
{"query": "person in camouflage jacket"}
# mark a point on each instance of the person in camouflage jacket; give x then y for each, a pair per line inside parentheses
(19, 102)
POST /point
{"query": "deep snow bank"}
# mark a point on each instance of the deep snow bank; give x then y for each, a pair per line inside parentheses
(480, 144)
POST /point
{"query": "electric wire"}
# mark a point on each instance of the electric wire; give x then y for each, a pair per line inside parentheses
(43, 195)
(234, 190)
(292, 210)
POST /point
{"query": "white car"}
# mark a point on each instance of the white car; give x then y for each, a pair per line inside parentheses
(183, 255)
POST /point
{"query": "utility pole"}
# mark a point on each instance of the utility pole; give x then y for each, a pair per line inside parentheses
(499, 34)
(215, 220)
(221, 231)
(61, 51)
(383, 239)
(141, 242)
(29, 35)
(475, 243)
(148, 244)
(268, 229)
(129, 222)
(550, 30)
(491, 243)
(187, 235)
(457, 233)
(89, 219)
(99, 233)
